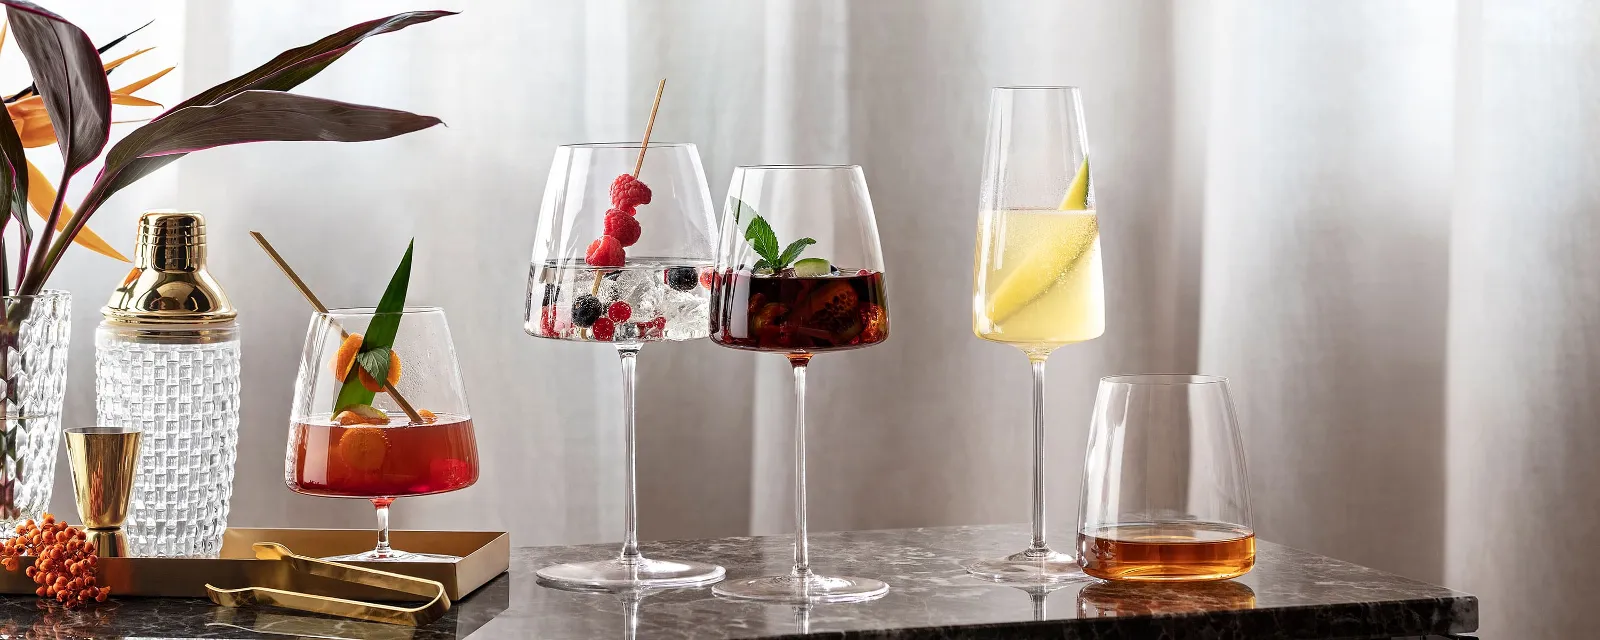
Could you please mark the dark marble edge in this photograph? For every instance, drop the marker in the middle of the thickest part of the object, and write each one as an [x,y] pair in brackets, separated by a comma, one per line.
[1326,623]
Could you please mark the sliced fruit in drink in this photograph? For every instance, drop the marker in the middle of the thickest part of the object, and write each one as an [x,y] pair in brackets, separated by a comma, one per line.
[1064,246]
[1077,197]
[812,268]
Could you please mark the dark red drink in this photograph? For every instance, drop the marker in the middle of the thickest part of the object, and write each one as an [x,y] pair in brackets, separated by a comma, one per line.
[790,313]
[361,461]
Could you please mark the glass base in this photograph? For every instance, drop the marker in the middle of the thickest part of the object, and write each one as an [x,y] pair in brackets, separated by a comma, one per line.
[615,574]
[392,555]
[812,589]
[1029,567]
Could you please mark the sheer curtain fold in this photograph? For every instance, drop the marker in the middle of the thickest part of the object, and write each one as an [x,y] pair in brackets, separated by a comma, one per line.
[1377,218]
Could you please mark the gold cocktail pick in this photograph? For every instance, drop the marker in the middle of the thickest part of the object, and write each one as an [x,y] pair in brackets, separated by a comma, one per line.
[438,603]
[317,304]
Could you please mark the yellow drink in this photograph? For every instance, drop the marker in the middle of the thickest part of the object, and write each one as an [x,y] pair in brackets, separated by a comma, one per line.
[1037,281]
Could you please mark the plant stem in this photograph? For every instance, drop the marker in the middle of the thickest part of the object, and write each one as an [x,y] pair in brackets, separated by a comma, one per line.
[50,224]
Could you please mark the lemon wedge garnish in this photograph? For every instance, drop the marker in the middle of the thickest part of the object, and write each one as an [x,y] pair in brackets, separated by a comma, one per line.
[1055,254]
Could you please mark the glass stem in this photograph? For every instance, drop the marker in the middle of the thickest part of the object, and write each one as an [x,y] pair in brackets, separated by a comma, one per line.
[629,354]
[1039,547]
[802,546]
[382,507]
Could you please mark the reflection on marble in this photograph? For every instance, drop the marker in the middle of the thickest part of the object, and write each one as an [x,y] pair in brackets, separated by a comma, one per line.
[1290,594]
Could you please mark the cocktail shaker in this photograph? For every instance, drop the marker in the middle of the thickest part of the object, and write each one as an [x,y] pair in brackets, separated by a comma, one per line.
[167,364]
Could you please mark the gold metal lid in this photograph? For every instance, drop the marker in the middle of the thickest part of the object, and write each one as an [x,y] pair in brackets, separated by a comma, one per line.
[169,283]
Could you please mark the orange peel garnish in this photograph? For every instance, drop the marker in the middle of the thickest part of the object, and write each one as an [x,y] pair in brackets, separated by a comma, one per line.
[427,416]
[394,374]
[345,357]
[363,448]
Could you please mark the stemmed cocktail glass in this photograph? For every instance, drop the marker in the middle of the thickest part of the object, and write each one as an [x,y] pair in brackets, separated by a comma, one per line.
[799,272]
[622,266]
[1036,276]
[379,452]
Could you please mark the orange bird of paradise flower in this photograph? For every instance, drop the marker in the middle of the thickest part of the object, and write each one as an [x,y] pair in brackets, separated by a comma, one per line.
[33,125]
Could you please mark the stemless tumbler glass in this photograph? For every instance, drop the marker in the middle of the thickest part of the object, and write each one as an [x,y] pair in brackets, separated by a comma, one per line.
[1165,492]
[799,272]
[652,289]
[1036,271]
[350,439]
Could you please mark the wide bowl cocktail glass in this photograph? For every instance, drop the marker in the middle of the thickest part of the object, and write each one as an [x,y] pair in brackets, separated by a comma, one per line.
[799,273]
[656,293]
[387,453]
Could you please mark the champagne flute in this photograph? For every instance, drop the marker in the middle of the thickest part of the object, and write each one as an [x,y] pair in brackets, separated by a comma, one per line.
[1036,274]
[799,272]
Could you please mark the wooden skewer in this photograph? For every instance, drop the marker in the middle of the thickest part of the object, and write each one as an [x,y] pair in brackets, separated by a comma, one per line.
[283,265]
[648,126]
[639,163]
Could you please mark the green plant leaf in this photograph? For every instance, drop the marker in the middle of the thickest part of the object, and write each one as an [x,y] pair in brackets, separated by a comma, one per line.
[380,334]
[282,73]
[67,71]
[793,251]
[375,362]
[762,239]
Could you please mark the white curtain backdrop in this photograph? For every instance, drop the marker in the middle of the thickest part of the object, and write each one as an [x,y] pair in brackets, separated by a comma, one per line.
[1378,218]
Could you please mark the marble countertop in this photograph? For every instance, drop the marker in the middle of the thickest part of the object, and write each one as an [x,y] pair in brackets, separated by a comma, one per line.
[1289,594]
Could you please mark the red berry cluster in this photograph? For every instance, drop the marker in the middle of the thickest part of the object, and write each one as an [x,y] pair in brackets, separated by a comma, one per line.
[622,228]
[65,564]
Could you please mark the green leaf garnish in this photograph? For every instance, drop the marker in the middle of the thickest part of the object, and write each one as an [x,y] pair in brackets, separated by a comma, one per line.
[380,335]
[794,250]
[765,242]
[762,239]
[376,362]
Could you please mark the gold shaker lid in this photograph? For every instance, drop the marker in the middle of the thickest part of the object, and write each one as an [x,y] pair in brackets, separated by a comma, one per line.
[169,283]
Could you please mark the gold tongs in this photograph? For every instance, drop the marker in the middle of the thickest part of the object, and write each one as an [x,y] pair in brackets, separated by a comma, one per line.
[436,606]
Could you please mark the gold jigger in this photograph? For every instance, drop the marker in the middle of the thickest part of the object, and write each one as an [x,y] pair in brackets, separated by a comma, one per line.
[102,478]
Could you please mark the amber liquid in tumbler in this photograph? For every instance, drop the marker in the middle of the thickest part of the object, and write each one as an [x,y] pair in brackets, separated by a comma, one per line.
[1167,551]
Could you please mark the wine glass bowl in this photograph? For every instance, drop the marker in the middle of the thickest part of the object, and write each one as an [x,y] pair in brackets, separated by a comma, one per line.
[799,272]
[658,291]
[369,445]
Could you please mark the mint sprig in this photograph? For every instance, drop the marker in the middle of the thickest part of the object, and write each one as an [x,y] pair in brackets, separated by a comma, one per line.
[765,242]
[378,341]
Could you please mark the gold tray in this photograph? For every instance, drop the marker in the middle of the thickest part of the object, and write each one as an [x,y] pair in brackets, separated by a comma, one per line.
[484,555]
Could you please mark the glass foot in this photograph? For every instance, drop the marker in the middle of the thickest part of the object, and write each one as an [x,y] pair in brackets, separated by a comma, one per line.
[392,555]
[792,589]
[644,572]
[1028,567]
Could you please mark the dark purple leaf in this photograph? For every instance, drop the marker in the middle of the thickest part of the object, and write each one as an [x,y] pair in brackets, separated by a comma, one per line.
[261,116]
[68,72]
[102,49]
[14,180]
[299,64]
[282,73]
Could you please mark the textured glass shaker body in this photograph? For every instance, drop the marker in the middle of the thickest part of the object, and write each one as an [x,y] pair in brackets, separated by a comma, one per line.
[167,363]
